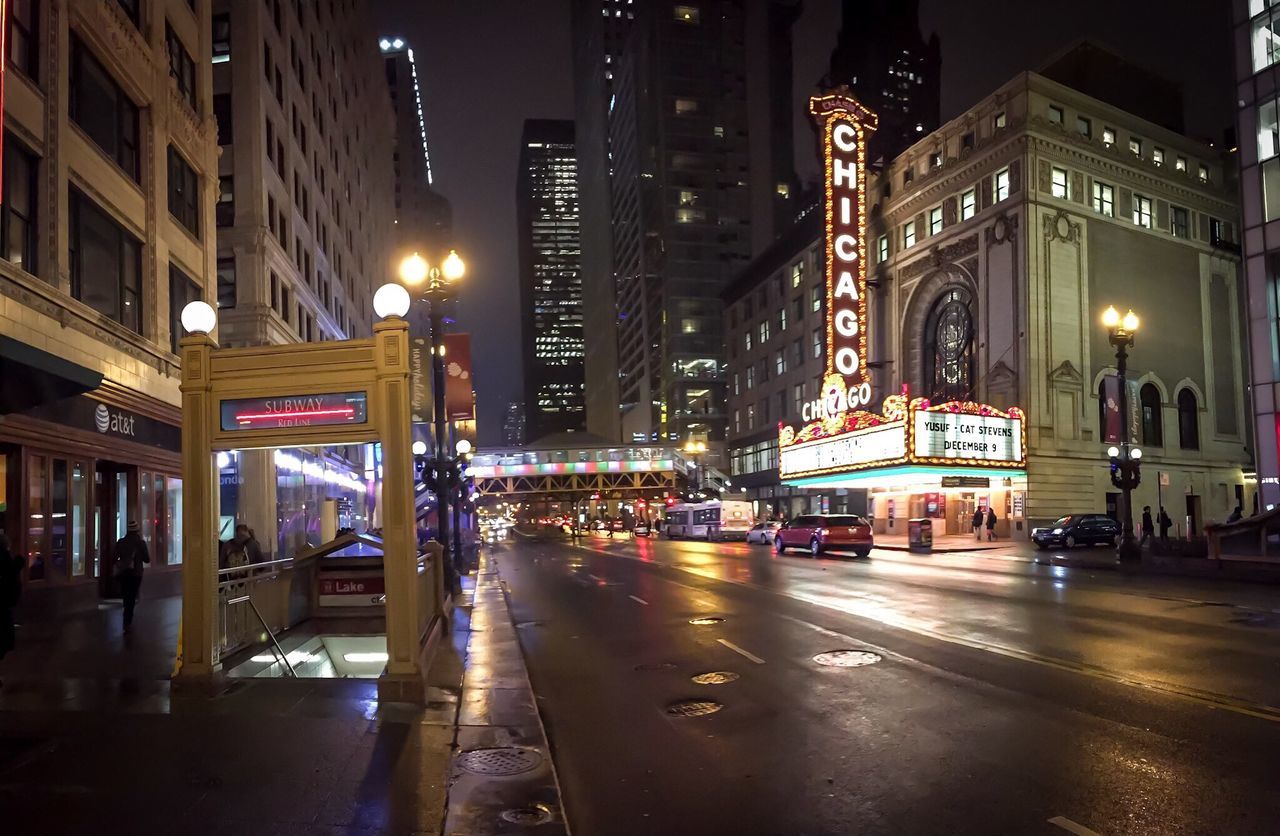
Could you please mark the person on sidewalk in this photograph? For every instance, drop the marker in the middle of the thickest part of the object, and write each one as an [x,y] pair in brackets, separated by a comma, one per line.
[1235,515]
[1165,525]
[131,556]
[991,524]
[10,591]
[977,525]
[1148,526]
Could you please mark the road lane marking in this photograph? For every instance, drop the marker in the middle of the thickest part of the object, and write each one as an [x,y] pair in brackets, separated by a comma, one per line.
[596,578]
[638,600]
[739,650]
[1071,827]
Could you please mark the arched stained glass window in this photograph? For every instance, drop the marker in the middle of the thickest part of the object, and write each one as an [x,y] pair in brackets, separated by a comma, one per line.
[949,348]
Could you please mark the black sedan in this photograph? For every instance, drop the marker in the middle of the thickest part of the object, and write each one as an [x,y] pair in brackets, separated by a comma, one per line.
[1078,530]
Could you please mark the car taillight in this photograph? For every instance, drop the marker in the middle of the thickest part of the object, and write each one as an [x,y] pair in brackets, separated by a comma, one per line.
[822,532]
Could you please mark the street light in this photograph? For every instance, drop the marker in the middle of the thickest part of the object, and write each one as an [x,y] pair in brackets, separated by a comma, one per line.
[199,317]
[695,448]
[433,281]
[1126,472]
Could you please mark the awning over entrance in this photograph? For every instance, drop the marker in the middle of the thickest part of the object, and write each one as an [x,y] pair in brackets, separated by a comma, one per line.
[30,377]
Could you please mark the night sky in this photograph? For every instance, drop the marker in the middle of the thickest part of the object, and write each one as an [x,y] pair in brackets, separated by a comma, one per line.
[487,65]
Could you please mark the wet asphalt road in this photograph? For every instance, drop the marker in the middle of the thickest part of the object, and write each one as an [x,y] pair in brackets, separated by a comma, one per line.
[1010,698]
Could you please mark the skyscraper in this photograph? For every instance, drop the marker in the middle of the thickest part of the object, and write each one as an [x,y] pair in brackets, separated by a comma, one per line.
[423,217]
[550,278]
[513,424]
[883,58]
[674,138]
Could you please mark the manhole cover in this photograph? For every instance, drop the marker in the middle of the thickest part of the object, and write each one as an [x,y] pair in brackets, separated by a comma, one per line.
[847,658]
[715,678]
[531,816]
[706,619]
[693,708]
[656,666]
[504,761]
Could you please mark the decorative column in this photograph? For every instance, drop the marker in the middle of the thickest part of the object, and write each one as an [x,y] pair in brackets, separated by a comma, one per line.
[403,678]
[200,646]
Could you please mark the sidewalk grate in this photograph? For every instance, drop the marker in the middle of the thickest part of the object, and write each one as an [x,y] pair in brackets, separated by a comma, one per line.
[530,816]
[716,678]
[704,620]
[507,760]
[693,708]
[847,658]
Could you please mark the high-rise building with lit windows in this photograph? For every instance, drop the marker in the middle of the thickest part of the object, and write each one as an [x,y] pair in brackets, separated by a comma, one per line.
[1257,45]
[882,57]
[550,278]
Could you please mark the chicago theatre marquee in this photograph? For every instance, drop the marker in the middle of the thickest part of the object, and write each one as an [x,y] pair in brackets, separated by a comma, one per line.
[914,458]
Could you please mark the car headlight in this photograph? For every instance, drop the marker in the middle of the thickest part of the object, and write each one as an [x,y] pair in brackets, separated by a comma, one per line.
[1057,531]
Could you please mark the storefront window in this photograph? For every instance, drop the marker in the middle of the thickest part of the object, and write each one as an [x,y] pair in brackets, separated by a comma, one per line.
[122,504]
[147,521]
[173,520]
[58,521]
[37,506]
[79,516]
[156,511]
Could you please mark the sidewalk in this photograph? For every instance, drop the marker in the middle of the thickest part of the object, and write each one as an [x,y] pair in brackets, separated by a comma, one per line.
[943,543]
[93,739]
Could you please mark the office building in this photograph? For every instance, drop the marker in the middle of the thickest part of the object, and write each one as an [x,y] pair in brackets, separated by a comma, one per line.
[994,245]
[107,215]
[1257,48]
[513,424]
[550,278]
[884,59]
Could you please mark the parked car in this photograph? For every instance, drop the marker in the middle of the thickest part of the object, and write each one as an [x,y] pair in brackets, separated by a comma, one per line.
[641,529]
[617,524]
[763,532]
[1078,530]
[819,532]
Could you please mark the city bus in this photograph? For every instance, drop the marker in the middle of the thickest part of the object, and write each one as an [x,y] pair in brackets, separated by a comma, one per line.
[728,519]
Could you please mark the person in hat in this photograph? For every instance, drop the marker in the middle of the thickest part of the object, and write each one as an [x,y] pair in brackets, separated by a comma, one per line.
[131,556]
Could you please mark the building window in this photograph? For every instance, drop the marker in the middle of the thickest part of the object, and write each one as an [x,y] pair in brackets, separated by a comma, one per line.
[688,14]
[1142,211]
[1203,174]
[1188,420]
[935,220]
[18,211]
[222,115]
[21,49]
[1180,164]
[1002,184]
[686,106]
[935,160]
[106,264]
[780,362]
[1058,183]
[1135,146]
[968,204]
[130,8]
[182,292]
[797,273]
[882,249]
[764,331]
[908,234]
[227,282]
[226,208]
[782,317]
[797,398]
[815,298]
[999,121]
[747,338]
[1056,116]
[817,343]
[949,353]
[1152,421]
[1179,222]
[1265,34]
[751,376]
[184,193]
[1157,156]
[1085,127]
[737,421]
[1104,199]
[1108,137]
[967,141]
[102,109]
[221,38]
[181,68]
[751,416]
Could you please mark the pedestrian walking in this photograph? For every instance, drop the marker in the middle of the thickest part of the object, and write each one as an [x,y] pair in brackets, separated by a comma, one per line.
[10,591]
[1165,525]
[131,556]
[991,524]
[1148,526]
[977,524]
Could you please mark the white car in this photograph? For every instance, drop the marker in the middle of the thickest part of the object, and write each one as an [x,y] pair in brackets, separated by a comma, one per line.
[763,532]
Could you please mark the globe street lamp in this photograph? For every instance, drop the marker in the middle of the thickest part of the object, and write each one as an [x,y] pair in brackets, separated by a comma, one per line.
[1126,472]
[433,282]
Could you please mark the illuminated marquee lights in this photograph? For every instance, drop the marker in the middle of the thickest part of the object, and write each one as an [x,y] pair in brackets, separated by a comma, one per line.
[845,126]
[562,468]
[840,442]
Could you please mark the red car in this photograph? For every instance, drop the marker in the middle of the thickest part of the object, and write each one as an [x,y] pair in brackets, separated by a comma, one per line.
[819,532]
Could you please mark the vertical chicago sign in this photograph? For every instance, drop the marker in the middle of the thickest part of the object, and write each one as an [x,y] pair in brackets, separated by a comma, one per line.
[844,126]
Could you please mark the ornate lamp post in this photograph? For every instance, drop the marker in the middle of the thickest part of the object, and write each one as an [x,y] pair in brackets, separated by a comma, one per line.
[696,448]
[1126,471]
[435,284]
